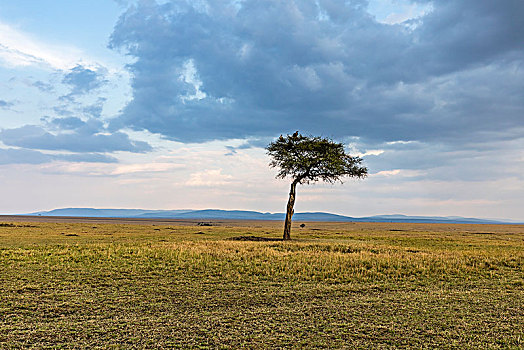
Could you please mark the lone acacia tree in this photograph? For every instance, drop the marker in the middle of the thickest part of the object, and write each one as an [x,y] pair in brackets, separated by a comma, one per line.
[309,159]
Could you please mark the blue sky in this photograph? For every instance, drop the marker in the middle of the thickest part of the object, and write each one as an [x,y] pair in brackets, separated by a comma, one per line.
[168,104]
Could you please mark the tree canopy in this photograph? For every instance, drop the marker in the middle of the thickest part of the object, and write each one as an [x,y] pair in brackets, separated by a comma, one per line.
[309,159]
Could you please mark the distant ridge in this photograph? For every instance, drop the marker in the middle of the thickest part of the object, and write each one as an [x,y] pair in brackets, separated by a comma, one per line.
[255,215]
[103,213]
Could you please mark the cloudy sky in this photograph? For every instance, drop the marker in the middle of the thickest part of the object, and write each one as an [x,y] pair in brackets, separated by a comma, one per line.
[168,104]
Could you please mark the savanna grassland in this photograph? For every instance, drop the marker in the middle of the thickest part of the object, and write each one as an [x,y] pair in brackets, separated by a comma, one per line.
[335,285]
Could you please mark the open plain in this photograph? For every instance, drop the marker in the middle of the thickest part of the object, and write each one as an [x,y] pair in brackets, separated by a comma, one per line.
[109,283]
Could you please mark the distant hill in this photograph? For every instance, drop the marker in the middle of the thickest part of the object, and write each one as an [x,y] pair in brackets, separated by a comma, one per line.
[255,215]
[103,213]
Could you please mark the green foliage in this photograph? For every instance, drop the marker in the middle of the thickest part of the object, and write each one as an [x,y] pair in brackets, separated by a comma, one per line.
[309,159]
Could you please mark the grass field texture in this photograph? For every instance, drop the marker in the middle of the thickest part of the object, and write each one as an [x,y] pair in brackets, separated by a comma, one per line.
[335,285]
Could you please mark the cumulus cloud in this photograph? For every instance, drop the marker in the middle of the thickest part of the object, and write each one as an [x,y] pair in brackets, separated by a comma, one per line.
[86,158]
[22,156]
[209,178]
[6,104]
[75,129]
[19,49]
[259,69]
[146,168]
[25,156]
[67,123]
[83,80]
[71,134]
[95,110]
[43,86]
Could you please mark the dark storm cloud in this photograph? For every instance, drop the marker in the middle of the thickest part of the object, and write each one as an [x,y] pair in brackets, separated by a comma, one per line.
[223,70]
[71,134]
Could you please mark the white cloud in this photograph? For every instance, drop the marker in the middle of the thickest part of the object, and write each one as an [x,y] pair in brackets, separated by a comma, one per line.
[100,169]
[209,178]
[190,75]
[21,49]
[397,11]
[388,172]
[399,173]
[410,12]
[82,169]
[147,168]
[371,152]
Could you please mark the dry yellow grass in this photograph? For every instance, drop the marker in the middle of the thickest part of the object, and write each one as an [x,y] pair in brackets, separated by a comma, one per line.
[176,284]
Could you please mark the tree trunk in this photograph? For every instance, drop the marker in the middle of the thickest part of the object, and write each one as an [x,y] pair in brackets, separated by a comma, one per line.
[290,211]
